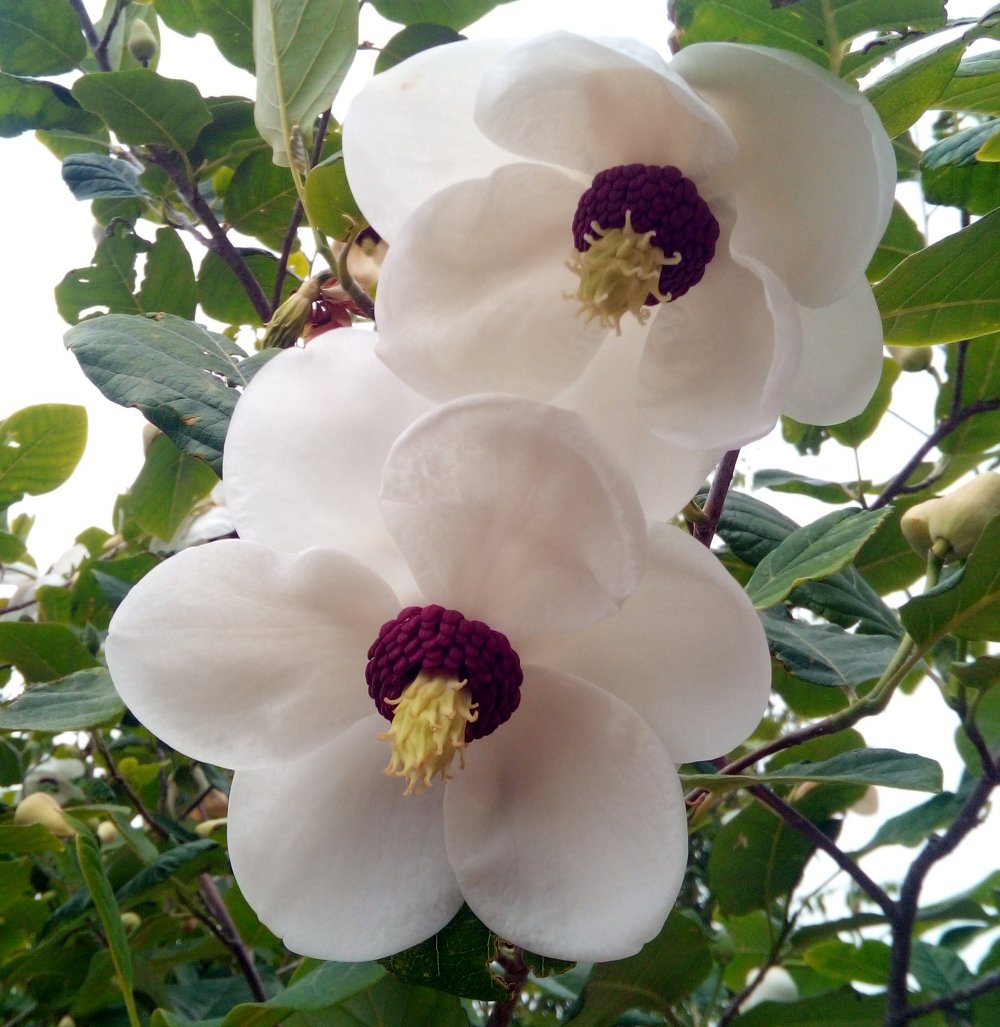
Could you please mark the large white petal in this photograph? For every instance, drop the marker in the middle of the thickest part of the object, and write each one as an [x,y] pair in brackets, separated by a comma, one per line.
[665,475]
[687,651]
[304,453]
[720,359]
[240,656]
[474,291]
[816,172]
[514,513]
[334,858]
[572,101]
[841,359]
[566,829]
[410,131]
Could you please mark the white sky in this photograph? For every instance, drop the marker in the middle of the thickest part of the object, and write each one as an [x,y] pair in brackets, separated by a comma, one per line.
[47,233]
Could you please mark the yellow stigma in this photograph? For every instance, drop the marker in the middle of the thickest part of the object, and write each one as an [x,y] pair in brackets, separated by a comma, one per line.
[428,728]
[619,270]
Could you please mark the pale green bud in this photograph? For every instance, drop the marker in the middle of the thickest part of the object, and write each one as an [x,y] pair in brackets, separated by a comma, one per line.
[142,44]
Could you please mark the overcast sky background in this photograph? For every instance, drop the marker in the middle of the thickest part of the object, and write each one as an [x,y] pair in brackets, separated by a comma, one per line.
[47,233]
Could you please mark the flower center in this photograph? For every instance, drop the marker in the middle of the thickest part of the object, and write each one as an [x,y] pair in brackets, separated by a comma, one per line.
[443,681]
[643,235]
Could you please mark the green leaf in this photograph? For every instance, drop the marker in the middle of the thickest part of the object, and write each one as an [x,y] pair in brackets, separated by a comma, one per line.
[980,381]
[178,864]
[456,960]
[812,552]
[108,283]
[175,372]
[143,108]
[938,970]
[96,878]
[987,719]
[230,24]
[42,652]
[31,838]
[867,767]
[844,1008]
[952,173]
[39,37]
[903,95]
[824,654]
[26,105]
[455,14]
[946,292]
[970,607]
[76,702]
[975,86]
[916,825]
[854,431]
[332,208]
[11,547]
[390,1003]
[168,285]
[92,176]
[867,962]
[302,50]
[168,486]
[329,984]
[40,447]
[260,199]
[799,484]
[887,561]
[672,965]
[413,39]
[901,238]
[222,297]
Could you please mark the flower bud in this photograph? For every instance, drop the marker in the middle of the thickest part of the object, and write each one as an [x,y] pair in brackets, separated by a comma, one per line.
[130,920]
[290,319]
[957,518]
[142,44]
[42,808]
[912,358]
[107,832]
[208,827]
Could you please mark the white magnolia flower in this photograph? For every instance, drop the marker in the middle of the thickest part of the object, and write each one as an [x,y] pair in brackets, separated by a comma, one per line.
[520,186]
[491,567]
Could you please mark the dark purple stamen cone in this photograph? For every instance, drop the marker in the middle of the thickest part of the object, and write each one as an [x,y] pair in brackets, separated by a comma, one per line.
[660,200]
[439,641]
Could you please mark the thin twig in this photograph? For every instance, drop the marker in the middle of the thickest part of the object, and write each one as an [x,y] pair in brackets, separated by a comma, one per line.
[955,998]
[230,936]
[90,34]
[704,529]
[127,788]
[101,53]
[516,974]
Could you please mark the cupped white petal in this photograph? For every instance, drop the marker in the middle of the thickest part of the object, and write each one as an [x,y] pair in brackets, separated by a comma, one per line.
[665,475]
[243,657]
[841,359]
[514,513]
[334,858]
[573,101]
[719,360]
[687,651]
[816,172]
[410,131]
[474,292]
[304,453]
[566,830]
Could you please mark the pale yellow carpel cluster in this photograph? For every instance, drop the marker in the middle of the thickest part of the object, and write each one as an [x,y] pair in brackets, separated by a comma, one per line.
[955,520]
[619,270]
[428,729]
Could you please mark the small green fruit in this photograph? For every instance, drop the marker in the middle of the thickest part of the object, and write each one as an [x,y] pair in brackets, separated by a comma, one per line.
[142,44]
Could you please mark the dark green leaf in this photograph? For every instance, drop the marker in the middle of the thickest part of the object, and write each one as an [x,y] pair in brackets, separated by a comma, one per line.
[938,970]
[143,108]
[867,962]
[415,38]
[302,50]
[982,673]
[887,561]
[854,431]
[180,864]
[175,372]
[456,960]
[824,654]
[40,447]
[915,826]
[108,283]
[96,878]
[180,15]
[845,1008]
[168,486]
[95,175]
[455,14]
[801,485]
[11,547]
[975,86]
[39,37]
[231,135]
[670,966]
[331,204]
[26,104]
[230,24]
[42,652]
[903,95]
[390,1003]
[815,551]
[970,607]
[946,292]
[168,285]
[952,175]
[222,297]
[76,702]
[31,838]
[980,382]
[901,238]
[260,199]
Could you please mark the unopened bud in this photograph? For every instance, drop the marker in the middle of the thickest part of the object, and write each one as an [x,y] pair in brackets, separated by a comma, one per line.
[130,920]
[107,832]
[290,319]
[209,827]
[142,44]
[912,358]
[42,808]
[958,518]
